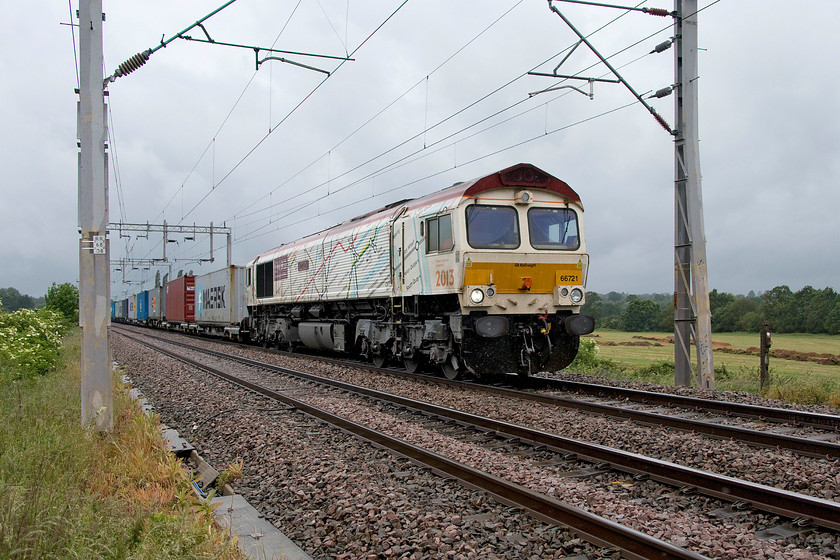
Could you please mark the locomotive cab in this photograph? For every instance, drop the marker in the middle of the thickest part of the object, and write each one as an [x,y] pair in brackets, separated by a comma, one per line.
[513,254]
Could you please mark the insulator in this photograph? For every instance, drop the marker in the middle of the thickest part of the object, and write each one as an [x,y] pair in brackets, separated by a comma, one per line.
[658,12]
[662,47]
[664,92]
[132,64]
[661,121]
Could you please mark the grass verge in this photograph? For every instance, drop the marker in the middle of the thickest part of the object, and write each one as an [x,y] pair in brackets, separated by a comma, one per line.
[650,357]
[70,492]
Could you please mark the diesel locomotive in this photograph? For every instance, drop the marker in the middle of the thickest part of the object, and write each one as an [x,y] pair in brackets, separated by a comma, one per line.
[486,276]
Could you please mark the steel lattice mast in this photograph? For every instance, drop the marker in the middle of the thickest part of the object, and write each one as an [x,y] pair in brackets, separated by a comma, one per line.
[692,316]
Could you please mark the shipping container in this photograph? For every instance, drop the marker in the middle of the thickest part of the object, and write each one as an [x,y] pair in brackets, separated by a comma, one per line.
[132,308]
[121,310]
[143,307]
[220,301]
[156,306]
[180,302]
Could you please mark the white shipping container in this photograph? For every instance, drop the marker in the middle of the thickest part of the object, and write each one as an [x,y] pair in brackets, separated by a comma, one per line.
[220,298]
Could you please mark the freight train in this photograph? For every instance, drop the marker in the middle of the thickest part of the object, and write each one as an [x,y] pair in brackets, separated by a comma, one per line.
[486,276]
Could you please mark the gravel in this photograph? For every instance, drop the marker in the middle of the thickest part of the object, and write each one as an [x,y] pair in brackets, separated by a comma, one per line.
[341,498]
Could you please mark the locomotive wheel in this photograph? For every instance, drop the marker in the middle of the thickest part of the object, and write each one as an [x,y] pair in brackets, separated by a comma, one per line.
[411,365]
[450,370]
[379,360]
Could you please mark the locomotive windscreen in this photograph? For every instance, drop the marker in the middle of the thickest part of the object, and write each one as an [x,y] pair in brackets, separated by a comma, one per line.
[553,228]
[492,227]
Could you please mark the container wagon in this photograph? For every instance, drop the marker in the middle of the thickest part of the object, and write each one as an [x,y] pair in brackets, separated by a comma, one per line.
[180,304]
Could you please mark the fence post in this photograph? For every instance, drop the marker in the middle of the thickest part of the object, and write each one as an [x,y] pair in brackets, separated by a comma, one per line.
[765,355]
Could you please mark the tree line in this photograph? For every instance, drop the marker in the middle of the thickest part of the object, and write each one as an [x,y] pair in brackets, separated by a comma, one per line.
[62,298]
[808,310]
[12,300]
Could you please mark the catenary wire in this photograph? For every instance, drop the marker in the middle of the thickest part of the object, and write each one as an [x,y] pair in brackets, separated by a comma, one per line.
[293,110]
[251,236]
[484,119]
[423,132]
[381,111]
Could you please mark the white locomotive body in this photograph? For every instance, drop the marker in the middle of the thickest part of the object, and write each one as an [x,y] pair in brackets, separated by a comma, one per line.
[486,276]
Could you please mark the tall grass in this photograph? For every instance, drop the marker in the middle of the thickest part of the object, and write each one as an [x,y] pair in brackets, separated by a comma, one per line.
[69,492]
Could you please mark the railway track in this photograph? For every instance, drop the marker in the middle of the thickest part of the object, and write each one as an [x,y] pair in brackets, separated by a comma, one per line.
[713,418]
[593,528]
[827,422]
[821,512]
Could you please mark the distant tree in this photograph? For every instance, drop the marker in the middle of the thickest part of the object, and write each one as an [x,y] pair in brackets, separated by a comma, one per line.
[665,322]
[640,315]
[65,300]
[832,320]
[611,312]
[742,315]
[157,279]
[165,280]
[718,302]
[180,273]
[14,300]
[776,306]
[812,307]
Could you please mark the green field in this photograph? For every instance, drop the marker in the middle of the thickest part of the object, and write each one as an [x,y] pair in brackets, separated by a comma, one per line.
[805,382]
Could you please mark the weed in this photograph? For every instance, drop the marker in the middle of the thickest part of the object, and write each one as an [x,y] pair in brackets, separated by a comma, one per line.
[232,473]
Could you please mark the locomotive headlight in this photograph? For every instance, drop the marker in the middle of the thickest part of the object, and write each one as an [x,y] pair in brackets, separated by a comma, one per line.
[577,295]
[477,296]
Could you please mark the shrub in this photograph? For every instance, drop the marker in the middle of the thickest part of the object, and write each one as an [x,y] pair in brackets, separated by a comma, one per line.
[64,299]
[587,360]
[587,356]
[661,372]
[30,341]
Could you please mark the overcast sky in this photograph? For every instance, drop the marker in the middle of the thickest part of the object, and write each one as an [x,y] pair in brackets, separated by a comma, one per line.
[437,94]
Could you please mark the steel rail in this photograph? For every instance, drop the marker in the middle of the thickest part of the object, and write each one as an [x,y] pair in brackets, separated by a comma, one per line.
[592,528]
[804,446]
[801,445]
[820,512]
[817,420]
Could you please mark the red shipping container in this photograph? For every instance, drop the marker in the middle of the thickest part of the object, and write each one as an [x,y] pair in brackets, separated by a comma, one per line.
[180,300]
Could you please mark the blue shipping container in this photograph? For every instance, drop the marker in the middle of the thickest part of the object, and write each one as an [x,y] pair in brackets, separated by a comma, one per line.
[143,306]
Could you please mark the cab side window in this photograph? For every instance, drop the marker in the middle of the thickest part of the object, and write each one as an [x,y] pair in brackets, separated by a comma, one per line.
[439,234]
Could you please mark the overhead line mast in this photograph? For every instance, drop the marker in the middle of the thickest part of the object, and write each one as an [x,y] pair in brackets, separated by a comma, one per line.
[692,314]
[94,251]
